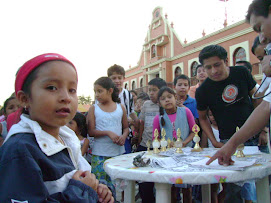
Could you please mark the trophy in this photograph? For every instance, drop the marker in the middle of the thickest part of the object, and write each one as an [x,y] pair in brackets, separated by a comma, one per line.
[163,141]
[196,139]
[168,143]
[155,142]
[240,148]
[148,146]
[179,142]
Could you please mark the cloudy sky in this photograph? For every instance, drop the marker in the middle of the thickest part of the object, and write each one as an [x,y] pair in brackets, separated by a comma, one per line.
[97,34]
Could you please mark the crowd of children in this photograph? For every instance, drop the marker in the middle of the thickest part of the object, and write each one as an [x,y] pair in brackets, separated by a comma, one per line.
[47,149]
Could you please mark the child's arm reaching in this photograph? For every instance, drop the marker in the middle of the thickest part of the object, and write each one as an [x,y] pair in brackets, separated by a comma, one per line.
[85,146]
[125,128]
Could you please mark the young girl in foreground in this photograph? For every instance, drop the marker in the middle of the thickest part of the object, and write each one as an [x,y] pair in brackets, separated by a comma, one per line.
[171,118]
[41,159]
[79,125]
[108,124]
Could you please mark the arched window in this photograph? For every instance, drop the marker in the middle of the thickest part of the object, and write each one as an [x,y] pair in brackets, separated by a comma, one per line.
[178,71]
[133,85]
[125,86]
[239,55]
[193,69]
[153,51]
[141,82]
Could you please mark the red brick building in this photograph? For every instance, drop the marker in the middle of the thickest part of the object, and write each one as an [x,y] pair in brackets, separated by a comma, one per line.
[165,55]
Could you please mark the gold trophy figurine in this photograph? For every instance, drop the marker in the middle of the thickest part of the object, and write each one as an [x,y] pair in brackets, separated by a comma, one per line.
[148,146]
[156,143]
[240,148]
[196,139]
[179,142]
[163,141]
[168,143]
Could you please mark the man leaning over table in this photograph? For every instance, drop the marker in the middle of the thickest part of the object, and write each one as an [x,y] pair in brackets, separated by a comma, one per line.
[226,92]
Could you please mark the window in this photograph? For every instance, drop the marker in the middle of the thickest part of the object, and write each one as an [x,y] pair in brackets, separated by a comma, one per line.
[239,55]
[178,71]
[153,51]
[133,85]
[125,86]
[193,69]
[141,82]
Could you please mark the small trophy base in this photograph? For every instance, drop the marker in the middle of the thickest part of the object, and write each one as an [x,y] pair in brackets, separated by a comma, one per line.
[156,150]
[163,149]
[179,151]
[196,149]
[240,154]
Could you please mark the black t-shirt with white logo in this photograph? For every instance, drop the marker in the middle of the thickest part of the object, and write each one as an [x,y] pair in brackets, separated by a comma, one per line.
[228,100]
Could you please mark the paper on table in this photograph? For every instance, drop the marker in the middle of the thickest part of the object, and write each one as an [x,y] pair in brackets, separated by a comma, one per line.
[238,165]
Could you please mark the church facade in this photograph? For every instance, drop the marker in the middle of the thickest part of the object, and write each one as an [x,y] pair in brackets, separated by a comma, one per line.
[164,55]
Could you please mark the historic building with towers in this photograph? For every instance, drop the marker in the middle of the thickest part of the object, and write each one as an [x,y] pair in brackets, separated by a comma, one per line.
[165,55]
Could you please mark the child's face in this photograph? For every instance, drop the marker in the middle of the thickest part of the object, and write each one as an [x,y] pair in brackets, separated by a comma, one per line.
[118,79]
[167,101]
[53,99]
[153,93]
[182,87]
[12,106]
[101,94]
[201,74]
[73,126]
[211,117]
[138,105]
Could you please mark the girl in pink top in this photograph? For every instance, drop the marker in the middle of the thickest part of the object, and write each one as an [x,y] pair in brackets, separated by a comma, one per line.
[172,117]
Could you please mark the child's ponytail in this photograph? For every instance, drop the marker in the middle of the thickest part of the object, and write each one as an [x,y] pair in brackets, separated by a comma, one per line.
[161,111]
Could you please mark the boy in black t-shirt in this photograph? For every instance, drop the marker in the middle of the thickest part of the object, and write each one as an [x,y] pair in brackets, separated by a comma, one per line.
[226,93]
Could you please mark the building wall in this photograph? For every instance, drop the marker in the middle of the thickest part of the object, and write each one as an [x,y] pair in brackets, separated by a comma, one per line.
[171,51]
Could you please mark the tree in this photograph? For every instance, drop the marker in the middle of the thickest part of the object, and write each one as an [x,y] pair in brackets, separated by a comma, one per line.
[84,100]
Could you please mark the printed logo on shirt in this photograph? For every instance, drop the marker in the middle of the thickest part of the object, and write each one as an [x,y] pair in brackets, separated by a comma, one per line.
[230,93]
[17,201]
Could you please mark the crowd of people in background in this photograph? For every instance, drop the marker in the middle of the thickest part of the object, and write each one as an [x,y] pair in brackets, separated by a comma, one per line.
[56,153]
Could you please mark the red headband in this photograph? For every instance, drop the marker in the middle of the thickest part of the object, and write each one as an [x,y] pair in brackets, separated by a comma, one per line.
[32,64]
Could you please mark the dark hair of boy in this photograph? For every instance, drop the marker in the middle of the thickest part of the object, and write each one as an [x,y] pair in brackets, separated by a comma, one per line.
[211,51]
[246,64]
[255,44]
[158,82]
[115,69]
[161,109]
[258,8]
[144,96]
[184,77]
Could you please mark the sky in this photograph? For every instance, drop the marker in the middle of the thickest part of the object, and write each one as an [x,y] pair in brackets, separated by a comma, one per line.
[97,34]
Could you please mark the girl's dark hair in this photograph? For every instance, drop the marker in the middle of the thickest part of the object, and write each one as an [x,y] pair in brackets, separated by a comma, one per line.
[161,109]
[81,122]
[6,104]
[256,43]
[107,83]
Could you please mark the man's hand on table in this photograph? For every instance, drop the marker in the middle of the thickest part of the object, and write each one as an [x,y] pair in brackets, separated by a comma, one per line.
[223,155]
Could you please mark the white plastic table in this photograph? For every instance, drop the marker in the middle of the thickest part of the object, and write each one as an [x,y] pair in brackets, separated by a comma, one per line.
[121,167]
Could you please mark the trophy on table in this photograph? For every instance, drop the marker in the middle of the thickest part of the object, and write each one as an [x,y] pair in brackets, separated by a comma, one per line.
[148,146]
[168,143]
[163,141]
[179,142]
[196,139]
[240,148]
[156,143]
